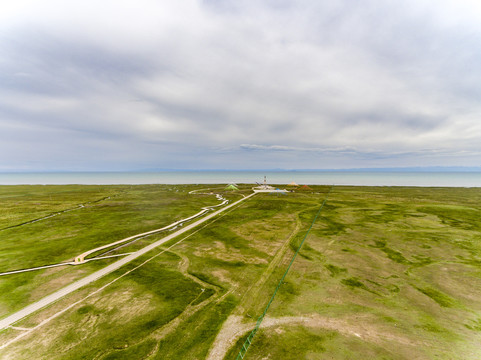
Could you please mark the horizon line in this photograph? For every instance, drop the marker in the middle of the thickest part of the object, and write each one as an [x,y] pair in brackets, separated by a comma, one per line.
[366,169]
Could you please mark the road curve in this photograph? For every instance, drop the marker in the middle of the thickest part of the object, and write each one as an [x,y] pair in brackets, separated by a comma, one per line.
[80,259]
[30,309]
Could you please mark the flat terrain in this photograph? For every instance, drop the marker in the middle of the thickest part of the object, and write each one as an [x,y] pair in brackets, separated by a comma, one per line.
[385,273]
[74,219]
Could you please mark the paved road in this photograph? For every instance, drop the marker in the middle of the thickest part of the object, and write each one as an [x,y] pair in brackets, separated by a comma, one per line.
[80,259]
[12,319]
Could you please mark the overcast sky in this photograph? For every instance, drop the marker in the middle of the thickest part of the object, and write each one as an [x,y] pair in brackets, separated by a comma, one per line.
[224,84]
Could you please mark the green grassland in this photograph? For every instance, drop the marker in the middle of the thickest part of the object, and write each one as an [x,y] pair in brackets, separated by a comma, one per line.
[108,214]
[385,273]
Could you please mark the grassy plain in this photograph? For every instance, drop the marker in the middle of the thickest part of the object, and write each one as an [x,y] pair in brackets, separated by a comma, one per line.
[84,217]
[385,273]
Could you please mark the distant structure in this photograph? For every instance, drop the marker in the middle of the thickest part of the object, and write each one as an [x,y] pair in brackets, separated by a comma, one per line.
[231,187]
[266,188]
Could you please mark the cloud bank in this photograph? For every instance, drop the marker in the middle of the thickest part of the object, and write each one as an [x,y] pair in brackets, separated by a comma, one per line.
[239,84]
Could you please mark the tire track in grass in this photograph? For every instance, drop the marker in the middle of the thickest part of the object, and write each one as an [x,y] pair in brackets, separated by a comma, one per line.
[249,339]
[252,294]
[233,328]
[51,215]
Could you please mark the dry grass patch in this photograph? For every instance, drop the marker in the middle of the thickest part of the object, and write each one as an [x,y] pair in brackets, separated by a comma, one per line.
[267,236]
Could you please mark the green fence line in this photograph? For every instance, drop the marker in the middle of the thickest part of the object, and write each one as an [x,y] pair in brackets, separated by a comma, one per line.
[248,341]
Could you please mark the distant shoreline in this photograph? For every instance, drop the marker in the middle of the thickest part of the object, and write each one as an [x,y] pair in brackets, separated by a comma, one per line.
[324,177]
[429,169]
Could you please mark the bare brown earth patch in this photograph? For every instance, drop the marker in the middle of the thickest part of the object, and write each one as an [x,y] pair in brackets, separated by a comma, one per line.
[52,271]
[124,304]
[232,255]
[58,281]
[223,276]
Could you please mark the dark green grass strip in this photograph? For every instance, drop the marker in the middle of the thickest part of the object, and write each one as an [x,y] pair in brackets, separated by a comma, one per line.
[249,339]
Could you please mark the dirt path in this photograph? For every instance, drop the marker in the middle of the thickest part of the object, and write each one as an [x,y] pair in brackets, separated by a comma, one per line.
[251,296]
[233,328]
[361,326]
[190,310]
[184,267]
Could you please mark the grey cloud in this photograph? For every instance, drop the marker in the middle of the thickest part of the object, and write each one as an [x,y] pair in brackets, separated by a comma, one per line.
[338,82]
[43,63]
[360,155]
[293,148]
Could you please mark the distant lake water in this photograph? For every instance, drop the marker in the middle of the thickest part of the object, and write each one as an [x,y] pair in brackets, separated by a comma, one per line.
[367,178]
